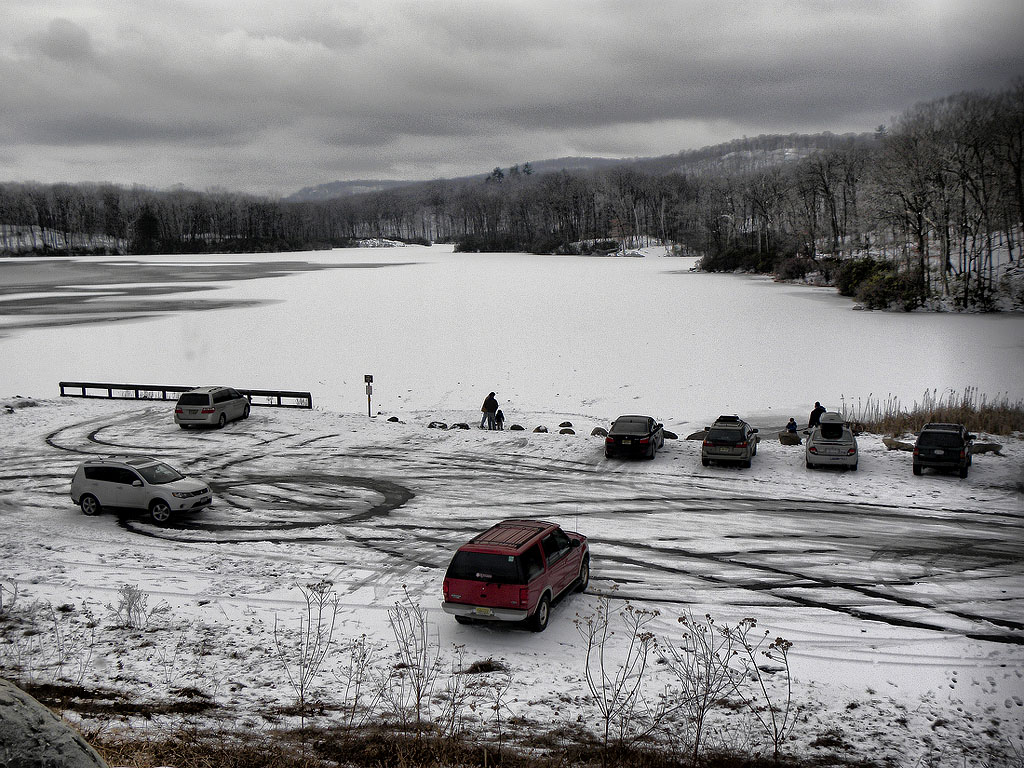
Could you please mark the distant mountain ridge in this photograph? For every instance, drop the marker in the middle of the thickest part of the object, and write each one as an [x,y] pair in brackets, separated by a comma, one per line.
[746,154]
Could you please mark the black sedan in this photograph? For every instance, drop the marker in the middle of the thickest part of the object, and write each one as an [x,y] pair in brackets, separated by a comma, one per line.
[634,436]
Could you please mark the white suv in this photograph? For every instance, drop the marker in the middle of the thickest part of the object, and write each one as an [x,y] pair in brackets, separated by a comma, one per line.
[137,483]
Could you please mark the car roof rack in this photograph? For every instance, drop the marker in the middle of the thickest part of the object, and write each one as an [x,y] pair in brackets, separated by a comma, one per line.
[728,418]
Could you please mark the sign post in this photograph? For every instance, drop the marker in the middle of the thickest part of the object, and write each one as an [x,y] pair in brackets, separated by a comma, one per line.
[368,378]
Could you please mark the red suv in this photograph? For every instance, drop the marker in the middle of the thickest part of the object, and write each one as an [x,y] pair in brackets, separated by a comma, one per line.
[514,571]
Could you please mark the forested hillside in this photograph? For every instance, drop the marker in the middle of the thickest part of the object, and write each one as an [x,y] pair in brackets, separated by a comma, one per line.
[930,206]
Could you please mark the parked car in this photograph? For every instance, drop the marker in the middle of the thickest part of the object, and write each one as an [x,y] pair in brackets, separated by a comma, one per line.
[832,444]
[634,436]
[138,483]
[514,571]
[945,447]
[210,406]
[729,439]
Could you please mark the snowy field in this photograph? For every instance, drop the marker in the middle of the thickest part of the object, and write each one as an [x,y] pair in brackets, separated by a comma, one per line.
[903,596]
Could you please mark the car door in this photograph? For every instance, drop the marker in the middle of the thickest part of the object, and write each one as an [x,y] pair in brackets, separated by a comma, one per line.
[557,550]
[131,489]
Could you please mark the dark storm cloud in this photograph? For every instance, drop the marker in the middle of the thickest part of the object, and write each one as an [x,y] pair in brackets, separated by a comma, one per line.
[267,95]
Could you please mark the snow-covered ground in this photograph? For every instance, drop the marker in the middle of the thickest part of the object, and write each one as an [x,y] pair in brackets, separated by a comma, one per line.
[903,596]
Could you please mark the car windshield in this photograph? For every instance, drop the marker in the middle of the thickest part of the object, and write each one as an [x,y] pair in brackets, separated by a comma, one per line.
[193,398]
[159,473]
[483,566]
[940,440]
[629,427]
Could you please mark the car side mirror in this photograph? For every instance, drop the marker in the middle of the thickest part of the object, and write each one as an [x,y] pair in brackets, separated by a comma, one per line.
[573,543]
[972,437]
[755,431]
[136,483]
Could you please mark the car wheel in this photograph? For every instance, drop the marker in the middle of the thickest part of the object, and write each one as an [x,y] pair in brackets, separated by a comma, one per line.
[222,421]
[539,620]
[160,511]
[653,450]
[183,426]
[963,472]
[584,579]
[746,464]
[245,413]
[917,470]
[90,505]
[704,462]
[853,468]
[809,465]
[463,620]
[607,455]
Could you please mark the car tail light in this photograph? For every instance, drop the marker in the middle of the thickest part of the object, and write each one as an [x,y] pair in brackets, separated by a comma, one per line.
[207,410]
[444,587]
[742,445]
[524,596]
[917,451]
[644,440]
[708,444]
[812,449]
[851,451]
[178,410]
[609,439]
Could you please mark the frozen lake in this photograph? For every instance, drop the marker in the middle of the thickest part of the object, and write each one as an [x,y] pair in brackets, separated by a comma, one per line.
[438,330]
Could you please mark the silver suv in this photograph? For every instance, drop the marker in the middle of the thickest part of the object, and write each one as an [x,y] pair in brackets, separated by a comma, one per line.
[137,483]
[210,407]
[730,438]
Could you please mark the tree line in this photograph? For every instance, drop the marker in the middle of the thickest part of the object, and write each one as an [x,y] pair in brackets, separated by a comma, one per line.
[929,206]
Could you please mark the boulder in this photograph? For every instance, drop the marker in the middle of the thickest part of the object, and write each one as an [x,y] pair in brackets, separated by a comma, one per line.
[789,438]
[697,435]
[567,431]
[565,424]
[670,435]
[517,428]
[31,736]
[995,448]
[540,429]
[897,445]
[394,419]
[437,425]
[599,432]
[460,425]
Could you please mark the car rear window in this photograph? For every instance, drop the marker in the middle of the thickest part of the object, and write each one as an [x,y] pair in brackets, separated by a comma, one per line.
[832,431]
[725,435]
[940,440]
[481,566]
[629,427]
[194,398]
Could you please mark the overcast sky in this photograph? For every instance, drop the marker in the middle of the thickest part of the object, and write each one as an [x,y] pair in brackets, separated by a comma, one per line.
[268,96]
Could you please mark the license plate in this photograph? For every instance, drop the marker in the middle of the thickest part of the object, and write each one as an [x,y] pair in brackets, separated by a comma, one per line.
[193,411]
[939,451]
[724,450]
[833,451]
[482,611]
[627,442]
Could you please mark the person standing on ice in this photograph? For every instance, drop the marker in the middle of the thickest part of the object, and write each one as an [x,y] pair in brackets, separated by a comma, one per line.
[499,419]
[815,417]
[489,408]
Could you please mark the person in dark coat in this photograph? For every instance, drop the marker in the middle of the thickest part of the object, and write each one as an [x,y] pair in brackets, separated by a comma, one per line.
[815,418]
[490,407]
[499,419]
[791,427]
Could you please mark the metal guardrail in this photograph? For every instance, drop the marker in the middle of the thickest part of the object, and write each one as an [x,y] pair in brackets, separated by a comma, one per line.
[275,398]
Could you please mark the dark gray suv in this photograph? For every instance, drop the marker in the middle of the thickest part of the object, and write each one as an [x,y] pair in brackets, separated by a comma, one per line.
[210,407]
[945,447]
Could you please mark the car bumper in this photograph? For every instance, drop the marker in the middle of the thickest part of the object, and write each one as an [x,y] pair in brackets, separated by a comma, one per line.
[484,613]
[207,419]
[713,456]
[635,449]
[191,505]
[820,460]
[949,466]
